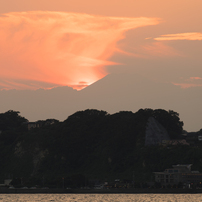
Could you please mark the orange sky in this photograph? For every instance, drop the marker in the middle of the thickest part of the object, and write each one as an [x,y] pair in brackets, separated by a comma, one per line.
[49,43]
[41,49]
[73,46]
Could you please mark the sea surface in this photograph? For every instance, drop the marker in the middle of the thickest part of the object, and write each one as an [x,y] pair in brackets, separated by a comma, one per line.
[100,197]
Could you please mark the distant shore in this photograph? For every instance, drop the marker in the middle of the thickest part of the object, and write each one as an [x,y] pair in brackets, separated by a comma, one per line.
[98,191]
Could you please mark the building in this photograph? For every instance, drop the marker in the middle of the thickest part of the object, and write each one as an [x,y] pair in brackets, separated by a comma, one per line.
[38,124]
[178,174]
[31,125]
[194,138]
[174,142]
[6,183]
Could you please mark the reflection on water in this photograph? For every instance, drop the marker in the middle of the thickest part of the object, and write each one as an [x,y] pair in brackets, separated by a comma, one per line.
[101,197]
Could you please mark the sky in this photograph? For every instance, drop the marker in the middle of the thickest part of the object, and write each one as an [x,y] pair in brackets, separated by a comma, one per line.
[78,54]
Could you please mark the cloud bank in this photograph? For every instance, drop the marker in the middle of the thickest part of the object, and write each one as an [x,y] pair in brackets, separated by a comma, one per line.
[41,49]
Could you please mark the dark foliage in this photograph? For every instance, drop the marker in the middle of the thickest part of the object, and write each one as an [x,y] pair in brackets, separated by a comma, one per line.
[89,144]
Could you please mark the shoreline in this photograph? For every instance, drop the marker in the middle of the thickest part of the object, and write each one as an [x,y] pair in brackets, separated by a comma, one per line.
[99,191]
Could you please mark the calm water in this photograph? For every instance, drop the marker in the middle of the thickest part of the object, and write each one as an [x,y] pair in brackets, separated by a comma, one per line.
[100,197]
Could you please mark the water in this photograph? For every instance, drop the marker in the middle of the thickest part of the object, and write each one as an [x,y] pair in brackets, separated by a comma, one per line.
[100,197]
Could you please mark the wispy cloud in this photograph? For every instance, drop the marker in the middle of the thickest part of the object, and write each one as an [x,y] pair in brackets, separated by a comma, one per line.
[190,82]
[160,49]
[48,49]
[187,85]
[195,78]
[181,36]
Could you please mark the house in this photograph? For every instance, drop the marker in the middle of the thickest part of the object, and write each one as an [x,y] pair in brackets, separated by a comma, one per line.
[6,183]
[40,123]
[194,138]
[178,142]
[174,142]
[178,174]
[31,125]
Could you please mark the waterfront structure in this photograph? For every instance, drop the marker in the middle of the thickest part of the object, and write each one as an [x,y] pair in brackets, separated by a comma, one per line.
[178,174]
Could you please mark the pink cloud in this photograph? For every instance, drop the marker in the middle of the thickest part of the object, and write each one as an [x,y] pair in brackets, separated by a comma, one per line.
[41,49]
[181,36]
[195,78]
[190,82]
[187,85]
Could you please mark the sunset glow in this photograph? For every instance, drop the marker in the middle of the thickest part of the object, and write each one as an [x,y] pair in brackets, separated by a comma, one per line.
[41,49]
